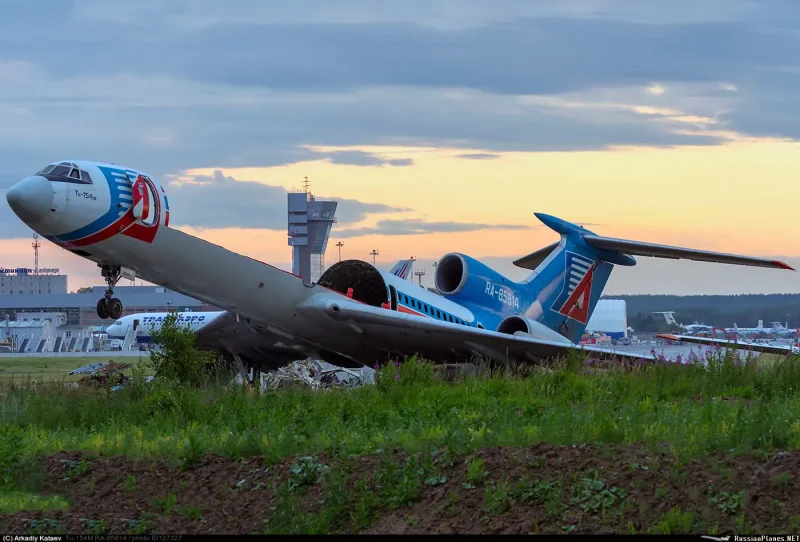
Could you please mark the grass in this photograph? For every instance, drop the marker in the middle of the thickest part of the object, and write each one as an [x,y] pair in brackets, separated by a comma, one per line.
[52,368]
[17,501]
[742,408]
[691,410]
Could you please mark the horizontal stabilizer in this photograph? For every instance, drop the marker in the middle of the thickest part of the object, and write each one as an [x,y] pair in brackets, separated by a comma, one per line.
[638,248]
[532,260]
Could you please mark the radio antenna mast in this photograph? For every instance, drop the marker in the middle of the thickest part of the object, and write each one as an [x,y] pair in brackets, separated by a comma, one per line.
[35,246]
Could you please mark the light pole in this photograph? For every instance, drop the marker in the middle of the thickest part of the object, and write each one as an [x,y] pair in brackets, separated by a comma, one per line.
[340,245]
[373,254]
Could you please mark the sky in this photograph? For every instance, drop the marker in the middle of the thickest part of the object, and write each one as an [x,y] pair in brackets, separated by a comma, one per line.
[439,125]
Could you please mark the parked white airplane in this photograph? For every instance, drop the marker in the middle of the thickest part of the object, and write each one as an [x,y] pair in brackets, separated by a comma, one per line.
[144,323]
[776,328]
[356,314]
[742,345]
[691,328]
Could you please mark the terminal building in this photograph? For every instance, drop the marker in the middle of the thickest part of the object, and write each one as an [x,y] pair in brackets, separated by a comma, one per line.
[23,281]
[65,322]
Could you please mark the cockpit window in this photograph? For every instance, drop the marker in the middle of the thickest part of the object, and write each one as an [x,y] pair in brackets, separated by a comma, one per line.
[118,323]
[66,172]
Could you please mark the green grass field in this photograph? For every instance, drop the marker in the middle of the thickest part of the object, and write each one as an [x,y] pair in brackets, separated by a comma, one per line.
[413,444]
[52,368]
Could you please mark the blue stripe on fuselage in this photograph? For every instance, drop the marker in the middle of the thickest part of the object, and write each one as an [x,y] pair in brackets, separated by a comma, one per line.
[116,190]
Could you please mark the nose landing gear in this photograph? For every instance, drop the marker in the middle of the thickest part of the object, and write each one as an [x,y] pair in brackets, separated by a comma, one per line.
[109,306]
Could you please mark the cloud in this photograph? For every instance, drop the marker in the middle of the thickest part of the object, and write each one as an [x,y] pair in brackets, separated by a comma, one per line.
[420,227]
[266,80]
[360,158]
[218,201]
[479,156]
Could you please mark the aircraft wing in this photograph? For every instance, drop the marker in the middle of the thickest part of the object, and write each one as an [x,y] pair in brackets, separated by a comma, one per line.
[408,334]
[755,347]
[355,325]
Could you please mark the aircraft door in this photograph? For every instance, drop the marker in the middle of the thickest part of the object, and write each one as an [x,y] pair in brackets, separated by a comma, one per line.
[145,201]
[393,300]
[135,324]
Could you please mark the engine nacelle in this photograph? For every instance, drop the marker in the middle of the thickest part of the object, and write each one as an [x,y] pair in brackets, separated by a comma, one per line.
[458,274]
[514,324]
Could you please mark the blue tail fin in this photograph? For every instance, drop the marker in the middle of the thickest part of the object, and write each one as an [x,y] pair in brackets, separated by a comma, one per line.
[568,285]
[568,278]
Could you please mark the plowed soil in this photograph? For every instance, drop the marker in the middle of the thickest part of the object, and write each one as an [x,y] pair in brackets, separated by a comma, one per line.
[541,489]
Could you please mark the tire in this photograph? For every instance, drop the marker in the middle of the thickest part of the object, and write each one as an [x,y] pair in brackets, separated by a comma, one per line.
[114,308]
[102,308]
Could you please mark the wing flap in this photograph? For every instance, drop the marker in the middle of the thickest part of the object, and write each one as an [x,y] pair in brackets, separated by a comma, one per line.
[639,248]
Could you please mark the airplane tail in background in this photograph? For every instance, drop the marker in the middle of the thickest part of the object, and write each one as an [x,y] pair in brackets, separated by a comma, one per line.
[402,268]
[569,276]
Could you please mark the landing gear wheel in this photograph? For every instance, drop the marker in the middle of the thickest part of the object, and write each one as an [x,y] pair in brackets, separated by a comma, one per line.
[102,308]
[109,306]
[114,308]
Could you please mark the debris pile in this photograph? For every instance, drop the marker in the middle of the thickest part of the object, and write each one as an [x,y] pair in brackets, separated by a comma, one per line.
[315,374]
[101,374]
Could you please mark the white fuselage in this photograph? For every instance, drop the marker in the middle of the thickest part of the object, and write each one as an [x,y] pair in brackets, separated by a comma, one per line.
[145,323]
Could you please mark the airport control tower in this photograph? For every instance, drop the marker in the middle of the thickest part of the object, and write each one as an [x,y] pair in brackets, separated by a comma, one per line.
[310,223]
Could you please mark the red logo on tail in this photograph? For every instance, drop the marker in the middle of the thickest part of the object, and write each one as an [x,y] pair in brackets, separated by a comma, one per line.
[577,305]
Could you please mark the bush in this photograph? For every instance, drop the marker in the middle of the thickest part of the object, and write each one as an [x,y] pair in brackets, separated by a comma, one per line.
[178,358]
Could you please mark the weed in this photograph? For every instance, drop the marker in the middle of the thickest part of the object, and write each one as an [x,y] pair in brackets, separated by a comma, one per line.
[476,472]
[130,483]
[729,503]
[305,471]
[782,480]
[674,522]
[498,498]
[165,504]
[593,495]
[191,512]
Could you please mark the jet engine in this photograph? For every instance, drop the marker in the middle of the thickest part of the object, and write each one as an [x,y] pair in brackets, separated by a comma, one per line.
[514,324]
[459,274]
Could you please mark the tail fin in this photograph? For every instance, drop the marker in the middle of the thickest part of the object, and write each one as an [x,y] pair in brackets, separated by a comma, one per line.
[569,277]
[402,268]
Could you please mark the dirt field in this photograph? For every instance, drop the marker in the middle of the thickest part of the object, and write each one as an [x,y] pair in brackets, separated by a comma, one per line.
[540,489]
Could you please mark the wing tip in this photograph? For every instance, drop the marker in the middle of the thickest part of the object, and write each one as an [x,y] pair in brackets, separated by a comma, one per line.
[782,265]
[667,336]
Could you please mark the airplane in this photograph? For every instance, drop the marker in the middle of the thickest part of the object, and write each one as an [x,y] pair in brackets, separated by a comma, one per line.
[356,314]
[766,348]
[690,329]
[776,328]
[144,323]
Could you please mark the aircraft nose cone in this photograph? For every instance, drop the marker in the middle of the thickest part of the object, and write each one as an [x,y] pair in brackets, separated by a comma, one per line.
[31,198]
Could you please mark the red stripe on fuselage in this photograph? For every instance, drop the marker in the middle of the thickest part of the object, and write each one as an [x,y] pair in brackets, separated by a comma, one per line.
[115,228]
